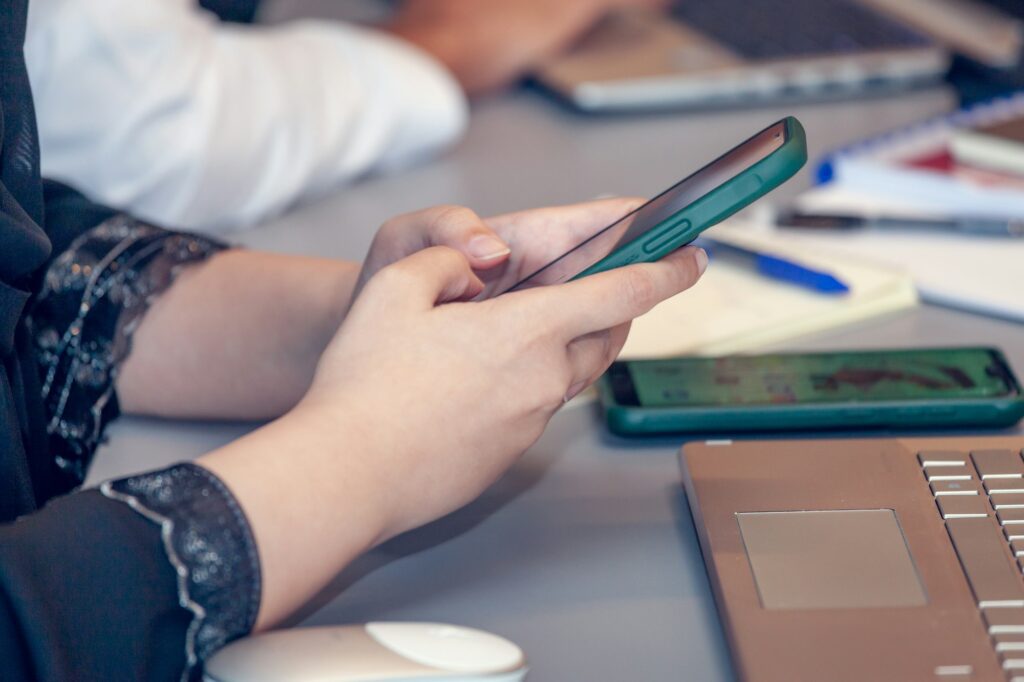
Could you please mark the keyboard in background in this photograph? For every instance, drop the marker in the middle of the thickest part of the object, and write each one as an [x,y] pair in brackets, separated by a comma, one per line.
[776,29]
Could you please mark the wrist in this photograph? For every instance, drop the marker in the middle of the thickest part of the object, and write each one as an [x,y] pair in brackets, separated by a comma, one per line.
[311,500]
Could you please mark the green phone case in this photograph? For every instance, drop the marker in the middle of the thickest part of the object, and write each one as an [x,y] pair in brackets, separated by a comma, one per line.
[629,420]
[725,200]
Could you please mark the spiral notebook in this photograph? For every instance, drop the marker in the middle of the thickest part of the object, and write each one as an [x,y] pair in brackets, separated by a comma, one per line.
[914,164]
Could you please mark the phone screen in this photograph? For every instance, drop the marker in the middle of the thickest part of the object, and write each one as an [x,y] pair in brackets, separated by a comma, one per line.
[867,376]
[659,209]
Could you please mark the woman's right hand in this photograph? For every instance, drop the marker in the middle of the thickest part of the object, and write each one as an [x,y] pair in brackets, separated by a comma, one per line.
[420,401]
[447,396]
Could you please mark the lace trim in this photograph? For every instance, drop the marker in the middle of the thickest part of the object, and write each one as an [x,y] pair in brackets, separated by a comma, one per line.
[94,296]
[209,544]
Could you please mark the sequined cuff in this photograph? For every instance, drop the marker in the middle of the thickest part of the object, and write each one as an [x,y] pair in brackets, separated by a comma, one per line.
[210,545]
[93,297]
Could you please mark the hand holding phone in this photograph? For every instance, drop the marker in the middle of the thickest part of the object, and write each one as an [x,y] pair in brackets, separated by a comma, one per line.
[678,215]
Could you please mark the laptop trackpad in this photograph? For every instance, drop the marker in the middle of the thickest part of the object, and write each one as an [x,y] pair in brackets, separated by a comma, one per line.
[830,559]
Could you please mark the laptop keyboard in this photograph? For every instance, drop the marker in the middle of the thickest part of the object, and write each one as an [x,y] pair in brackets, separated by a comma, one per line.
[980,496]
[776,29]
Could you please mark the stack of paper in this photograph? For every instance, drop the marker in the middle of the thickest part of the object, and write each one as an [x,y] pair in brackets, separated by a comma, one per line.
[981,274]
[733,309]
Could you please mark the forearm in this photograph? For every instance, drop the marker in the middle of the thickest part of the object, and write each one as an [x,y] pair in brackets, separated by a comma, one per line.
[316,497]
[236,337]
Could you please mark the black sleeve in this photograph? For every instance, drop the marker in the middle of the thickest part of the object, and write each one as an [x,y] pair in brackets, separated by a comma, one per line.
[141,580]
[87,593]
[95,292]
[146,577]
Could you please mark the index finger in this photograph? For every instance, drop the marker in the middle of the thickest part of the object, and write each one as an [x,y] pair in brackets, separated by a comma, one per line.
[611,298]
[572,224]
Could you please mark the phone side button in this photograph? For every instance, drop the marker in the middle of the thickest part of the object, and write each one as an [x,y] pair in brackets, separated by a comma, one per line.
[662,238]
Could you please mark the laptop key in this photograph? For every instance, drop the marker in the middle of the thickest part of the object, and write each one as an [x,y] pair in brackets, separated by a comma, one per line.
[941,459]
[954,488]
[998,464]
[1006,621]
[1004,486]
[1011,517]
[1008,501]
[1017,547]
[936,476]
[962,506]
[1013,533]
[1009,643]
[993,579]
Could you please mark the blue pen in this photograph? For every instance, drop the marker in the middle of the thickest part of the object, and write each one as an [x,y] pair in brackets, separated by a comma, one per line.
[775,267]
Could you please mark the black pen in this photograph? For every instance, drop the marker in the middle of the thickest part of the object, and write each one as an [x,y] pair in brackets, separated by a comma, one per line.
[971,225]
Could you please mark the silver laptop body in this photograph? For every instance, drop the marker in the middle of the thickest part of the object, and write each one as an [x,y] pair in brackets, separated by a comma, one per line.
[882,560]
[643,60]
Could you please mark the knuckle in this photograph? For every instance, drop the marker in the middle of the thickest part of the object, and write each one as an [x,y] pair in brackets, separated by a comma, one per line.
[447,218]
[394,276]
[641,291]
[554,389]
[447,256]
[391,225]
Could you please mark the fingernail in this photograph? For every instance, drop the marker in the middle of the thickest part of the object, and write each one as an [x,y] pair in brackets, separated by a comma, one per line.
[702,260]
[486,247]
[574,391]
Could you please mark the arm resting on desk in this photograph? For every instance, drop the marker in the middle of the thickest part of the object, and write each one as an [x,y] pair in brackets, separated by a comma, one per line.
[237,337]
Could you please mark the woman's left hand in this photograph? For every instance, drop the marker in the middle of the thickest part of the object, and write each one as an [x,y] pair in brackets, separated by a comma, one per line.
[503,249]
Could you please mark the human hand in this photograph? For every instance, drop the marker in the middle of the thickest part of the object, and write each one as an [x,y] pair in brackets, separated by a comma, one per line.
[502,250]
[488,45]
[433,402]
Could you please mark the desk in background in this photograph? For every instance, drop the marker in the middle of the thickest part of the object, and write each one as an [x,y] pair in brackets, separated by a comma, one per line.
[585,553]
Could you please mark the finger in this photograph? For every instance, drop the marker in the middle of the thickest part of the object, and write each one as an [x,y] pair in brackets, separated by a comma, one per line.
[426,278]
[619,334]
[592,354]
[456,227]
[572,223]
[610,298]
[587,355]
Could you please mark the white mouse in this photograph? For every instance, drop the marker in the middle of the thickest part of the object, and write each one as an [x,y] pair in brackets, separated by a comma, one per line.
[375,652]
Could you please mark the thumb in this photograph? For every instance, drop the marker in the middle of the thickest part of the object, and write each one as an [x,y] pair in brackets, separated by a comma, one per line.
[454,226]
[426,278]
[463,230]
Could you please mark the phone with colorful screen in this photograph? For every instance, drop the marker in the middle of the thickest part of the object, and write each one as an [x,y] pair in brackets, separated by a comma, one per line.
[916,388]
[678,215]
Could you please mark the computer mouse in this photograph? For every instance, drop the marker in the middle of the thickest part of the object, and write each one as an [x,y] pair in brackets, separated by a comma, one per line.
[374,652]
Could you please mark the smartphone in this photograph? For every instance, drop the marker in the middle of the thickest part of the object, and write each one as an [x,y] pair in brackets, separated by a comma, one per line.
[675,217]
[903,389]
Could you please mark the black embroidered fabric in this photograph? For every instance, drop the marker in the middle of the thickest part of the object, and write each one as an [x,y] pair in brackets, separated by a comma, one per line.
[209,543]
[93,297]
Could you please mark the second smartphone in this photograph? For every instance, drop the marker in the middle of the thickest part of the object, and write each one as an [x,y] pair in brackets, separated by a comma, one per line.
[900,389]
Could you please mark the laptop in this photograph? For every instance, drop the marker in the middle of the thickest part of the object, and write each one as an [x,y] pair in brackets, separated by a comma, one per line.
[721,52]
[865,560]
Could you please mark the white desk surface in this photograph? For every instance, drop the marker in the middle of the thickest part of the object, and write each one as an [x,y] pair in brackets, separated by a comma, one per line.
[585,553]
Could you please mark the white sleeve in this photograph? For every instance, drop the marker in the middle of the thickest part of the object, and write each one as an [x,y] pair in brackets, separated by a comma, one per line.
[156,107]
